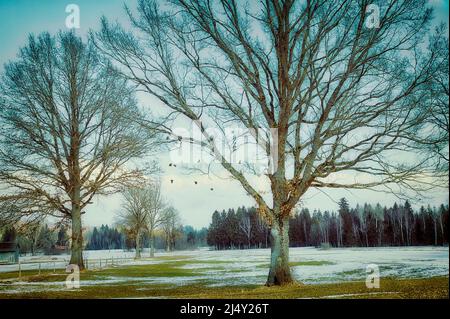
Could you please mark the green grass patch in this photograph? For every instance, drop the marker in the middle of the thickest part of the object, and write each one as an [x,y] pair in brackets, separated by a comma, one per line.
[175,257]
[132,282]
[436,287]
[27,273]
[167,269]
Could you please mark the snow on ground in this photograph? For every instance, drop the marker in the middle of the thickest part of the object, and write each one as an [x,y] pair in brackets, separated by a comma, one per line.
[239,267]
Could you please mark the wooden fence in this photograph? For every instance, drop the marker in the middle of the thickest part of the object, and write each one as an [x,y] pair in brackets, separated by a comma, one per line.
[53,264]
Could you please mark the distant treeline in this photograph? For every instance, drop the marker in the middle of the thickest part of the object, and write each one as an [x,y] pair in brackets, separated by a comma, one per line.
[42,239]
[38,238]
[241,228]
[364,225]
[105,237]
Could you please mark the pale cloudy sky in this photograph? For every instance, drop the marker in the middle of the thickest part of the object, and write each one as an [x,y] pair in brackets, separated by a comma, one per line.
[196,203]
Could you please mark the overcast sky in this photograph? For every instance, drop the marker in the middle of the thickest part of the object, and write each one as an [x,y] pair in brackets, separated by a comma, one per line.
[195,203]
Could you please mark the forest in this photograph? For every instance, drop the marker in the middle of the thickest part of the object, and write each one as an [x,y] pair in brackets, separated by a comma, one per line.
[362,226]
[54,239]
[104,237]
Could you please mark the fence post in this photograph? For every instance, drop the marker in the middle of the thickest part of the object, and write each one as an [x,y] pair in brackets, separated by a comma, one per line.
[54,267]
[20,271]
[39,268]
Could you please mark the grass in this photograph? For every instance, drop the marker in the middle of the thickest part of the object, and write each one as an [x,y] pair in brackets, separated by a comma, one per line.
[25,274]
[168,269]
[175,257]
[436,287]
[134,281]
[171,267]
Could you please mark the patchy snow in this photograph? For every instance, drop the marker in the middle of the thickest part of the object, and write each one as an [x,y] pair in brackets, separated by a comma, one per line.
[240,267]
[359,294]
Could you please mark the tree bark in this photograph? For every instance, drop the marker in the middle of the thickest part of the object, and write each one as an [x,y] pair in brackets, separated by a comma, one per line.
[138,246]
[279,273]
[442,228]
[76,257]
[435,231]
[167,243]
[152,245]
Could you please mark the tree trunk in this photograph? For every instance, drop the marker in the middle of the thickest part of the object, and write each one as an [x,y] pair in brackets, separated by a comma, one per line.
[167,243]
[138,246]
[279,273]
[435,231]
[33,247]
[442,228]
[76,257]
[152,245]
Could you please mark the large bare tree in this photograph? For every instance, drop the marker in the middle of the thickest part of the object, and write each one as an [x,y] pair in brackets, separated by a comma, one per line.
[170,227]
[66,132]
[134,216]
[334,85]
[155,206]
[435,99]
[144,210]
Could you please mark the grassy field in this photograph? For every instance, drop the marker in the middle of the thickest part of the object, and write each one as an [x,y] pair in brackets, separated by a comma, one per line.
[183,280]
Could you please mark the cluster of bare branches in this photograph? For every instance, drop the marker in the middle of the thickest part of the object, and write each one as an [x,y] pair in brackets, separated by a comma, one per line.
[144,210]
[435,113]
[67,132]
[342,96]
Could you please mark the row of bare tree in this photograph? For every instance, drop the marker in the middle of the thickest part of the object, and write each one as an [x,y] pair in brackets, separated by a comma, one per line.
[144,210]
[370,225]
[362,226]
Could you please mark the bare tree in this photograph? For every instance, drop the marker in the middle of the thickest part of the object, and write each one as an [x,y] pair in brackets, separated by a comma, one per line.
[144,211]
[435,113]
[169,226]
[261,226]
[155,206]
[245,225]
[134,215]
[66,132]
[334,94]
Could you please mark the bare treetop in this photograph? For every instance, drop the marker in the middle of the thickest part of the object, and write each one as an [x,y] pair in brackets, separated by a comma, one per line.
[67,131]
[338,85]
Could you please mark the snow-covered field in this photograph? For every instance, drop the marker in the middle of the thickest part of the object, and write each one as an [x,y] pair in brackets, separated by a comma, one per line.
[333,265]
[237,267]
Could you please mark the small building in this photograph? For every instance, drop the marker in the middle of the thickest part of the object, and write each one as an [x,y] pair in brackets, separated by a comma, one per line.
[9,253]
[57,250]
